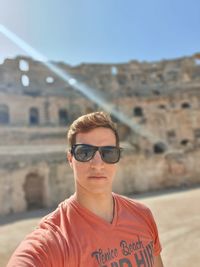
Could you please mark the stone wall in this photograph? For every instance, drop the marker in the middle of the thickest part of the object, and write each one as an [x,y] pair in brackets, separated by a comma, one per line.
[161,136]
[40,177]
[33,178]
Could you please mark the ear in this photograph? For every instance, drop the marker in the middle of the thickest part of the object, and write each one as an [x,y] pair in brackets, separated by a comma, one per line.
[69,158]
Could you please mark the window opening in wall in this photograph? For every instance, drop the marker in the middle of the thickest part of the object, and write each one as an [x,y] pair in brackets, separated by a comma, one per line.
[25,80]
[33,189]
[197,133]
[23,65]
[156,92]
[63,117]
[171,134]
[143,81]
[129,91]
[172,75]
[138,112]
[49,80]
[4,114]
[197,61]
[136,93]
[121,79]
[114,118]
[114,70]
[184,142]
[34,116]
[159,148]
[96,106]
[162,106]
[72,81]
[160,77]
[185,105]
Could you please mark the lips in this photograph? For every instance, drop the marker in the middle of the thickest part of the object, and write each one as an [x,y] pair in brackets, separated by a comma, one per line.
[98,177]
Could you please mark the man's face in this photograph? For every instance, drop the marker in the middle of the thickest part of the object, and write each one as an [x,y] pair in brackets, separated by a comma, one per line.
[94,176]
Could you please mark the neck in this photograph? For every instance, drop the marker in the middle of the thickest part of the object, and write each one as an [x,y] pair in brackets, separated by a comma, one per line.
[101,205]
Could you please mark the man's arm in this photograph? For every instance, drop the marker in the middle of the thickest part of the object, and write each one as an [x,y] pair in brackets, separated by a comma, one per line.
[158,261]
[41,248]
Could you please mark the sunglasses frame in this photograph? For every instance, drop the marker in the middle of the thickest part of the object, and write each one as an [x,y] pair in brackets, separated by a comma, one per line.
[95,149]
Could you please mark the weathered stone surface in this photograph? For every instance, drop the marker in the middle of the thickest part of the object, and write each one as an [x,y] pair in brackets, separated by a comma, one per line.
[161,102]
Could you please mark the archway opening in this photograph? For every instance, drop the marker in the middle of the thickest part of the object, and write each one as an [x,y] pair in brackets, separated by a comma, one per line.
[4,114]
[159,148]
[34,116]
[34,188]
[138,112]
[63,117]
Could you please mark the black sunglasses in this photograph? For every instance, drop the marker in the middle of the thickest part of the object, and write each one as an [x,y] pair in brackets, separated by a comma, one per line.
[84,153]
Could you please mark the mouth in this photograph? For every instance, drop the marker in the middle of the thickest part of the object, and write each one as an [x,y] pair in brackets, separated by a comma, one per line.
[97,177]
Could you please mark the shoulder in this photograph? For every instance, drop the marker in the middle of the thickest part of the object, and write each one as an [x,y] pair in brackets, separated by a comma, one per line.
[133,206]
[131,203]
[136,211]
[48,244]
[57,217]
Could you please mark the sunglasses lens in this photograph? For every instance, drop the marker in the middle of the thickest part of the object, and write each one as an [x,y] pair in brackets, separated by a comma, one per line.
[110,154]
[83,153]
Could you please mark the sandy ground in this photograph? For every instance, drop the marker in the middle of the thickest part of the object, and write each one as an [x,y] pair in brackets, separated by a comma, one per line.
[177,215]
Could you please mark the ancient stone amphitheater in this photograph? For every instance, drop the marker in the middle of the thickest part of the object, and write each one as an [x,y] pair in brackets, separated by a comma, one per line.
[160,99]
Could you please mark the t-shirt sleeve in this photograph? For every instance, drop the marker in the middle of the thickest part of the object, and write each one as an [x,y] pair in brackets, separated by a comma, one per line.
[44,247]
[155,235]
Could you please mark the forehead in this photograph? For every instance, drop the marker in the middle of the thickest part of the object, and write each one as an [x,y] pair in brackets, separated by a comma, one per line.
[98,137]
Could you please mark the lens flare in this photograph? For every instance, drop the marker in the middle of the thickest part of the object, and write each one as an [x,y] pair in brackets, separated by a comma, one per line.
[87,91]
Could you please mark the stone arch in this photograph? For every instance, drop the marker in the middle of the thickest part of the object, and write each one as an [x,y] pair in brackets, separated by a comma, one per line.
[33,189]
[63,116]
[4,114]
[184,142]
[122,79]
[23,65]
[114,118]
[25,80]
[138,112]
[156,92]
[114,70]
[197,133]
[33,116]
[185,105]
[162,106]
[197,136]
[50,80]
[159,148]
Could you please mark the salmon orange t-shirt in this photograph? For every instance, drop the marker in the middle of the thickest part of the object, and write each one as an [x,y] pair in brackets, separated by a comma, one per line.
[73,236]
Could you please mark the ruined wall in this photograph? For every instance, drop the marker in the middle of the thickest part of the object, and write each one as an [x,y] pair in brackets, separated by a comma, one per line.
[42,177]
[33,178]
[160,99]
[48,109]
[153,95]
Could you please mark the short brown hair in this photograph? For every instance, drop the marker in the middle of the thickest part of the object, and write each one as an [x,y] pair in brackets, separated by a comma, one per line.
[88,122]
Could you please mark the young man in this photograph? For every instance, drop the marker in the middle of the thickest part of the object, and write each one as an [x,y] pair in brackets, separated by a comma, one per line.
[94,227]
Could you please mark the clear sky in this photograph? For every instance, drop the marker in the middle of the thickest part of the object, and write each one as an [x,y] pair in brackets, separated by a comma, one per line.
[103,31]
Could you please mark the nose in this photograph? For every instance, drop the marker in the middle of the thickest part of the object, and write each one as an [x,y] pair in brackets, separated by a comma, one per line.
[96,161]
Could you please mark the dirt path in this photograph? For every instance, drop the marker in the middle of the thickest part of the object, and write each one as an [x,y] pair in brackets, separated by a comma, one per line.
[177,215]
[178,219]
